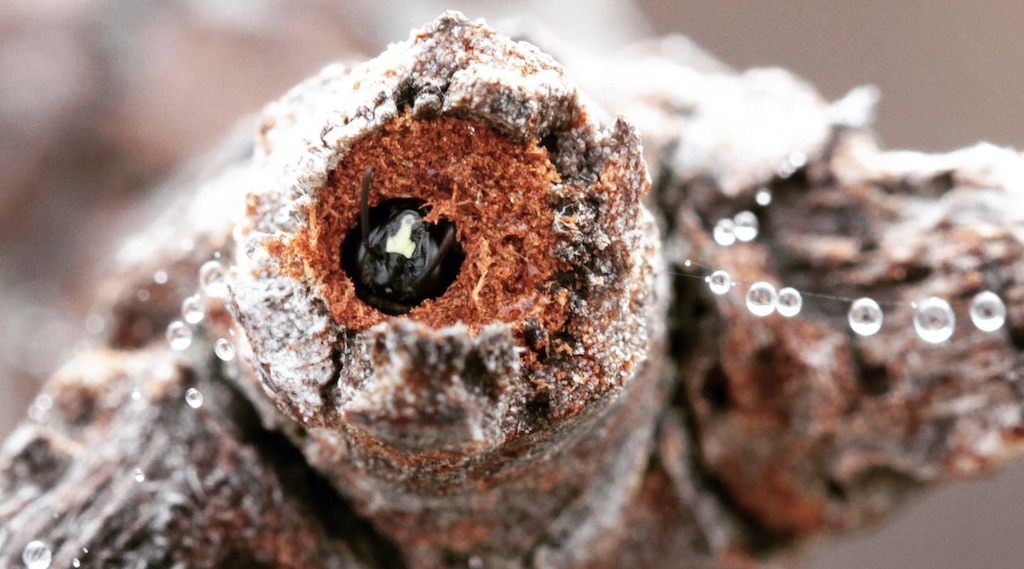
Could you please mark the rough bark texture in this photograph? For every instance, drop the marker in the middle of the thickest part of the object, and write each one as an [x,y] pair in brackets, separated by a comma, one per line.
[316,446]
[466,427]
[120,472]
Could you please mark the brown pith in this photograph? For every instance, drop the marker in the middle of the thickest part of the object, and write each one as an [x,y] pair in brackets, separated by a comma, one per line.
[495,191]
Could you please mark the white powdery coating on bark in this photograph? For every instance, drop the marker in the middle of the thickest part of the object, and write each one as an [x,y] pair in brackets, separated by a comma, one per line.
[295,339]
[413,420]
[758,119]
[981,165]
[458,68]
[736,129]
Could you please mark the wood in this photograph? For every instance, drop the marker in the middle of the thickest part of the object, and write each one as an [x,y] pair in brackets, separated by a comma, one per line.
[726,439]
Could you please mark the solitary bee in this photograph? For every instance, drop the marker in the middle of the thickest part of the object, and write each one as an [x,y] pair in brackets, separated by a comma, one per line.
[396,259]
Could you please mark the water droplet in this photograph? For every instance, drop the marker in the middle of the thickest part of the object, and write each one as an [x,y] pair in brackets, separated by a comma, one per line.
[76,563]
[793,162]
[687,263]
[865,317]
[723,232]
[719,282]
[160,277]
[136,395]
[745,226]
[94,324]
[934,320]
[194,398]
[42,404]
[761,299]
[224,349]
[211,279]
[143,295]
[139,475]
[763,197]
[988,311]
[790,302]
[36,555]
[179,335]
[192,308]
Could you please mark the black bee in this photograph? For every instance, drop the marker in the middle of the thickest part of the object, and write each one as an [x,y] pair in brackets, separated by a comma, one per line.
[396,259]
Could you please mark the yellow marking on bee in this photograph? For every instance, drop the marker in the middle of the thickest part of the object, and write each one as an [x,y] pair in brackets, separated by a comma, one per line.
[401,241]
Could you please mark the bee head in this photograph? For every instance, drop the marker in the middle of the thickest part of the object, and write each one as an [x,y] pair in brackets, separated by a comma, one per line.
[395,258]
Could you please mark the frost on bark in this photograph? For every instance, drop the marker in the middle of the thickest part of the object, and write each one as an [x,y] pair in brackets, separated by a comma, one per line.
[576,398]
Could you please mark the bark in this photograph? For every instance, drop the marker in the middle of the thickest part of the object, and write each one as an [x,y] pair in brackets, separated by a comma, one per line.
[340,437]
[118,471]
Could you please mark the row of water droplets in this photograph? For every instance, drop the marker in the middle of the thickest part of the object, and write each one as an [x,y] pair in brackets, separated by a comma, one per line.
[37,554]
[212,285]
[934,319]
[179,337]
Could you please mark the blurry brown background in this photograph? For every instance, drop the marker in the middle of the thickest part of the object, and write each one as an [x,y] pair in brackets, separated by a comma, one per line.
[100,99]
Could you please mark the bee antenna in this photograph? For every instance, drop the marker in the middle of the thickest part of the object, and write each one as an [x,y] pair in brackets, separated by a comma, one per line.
[442,252]
[364,207]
